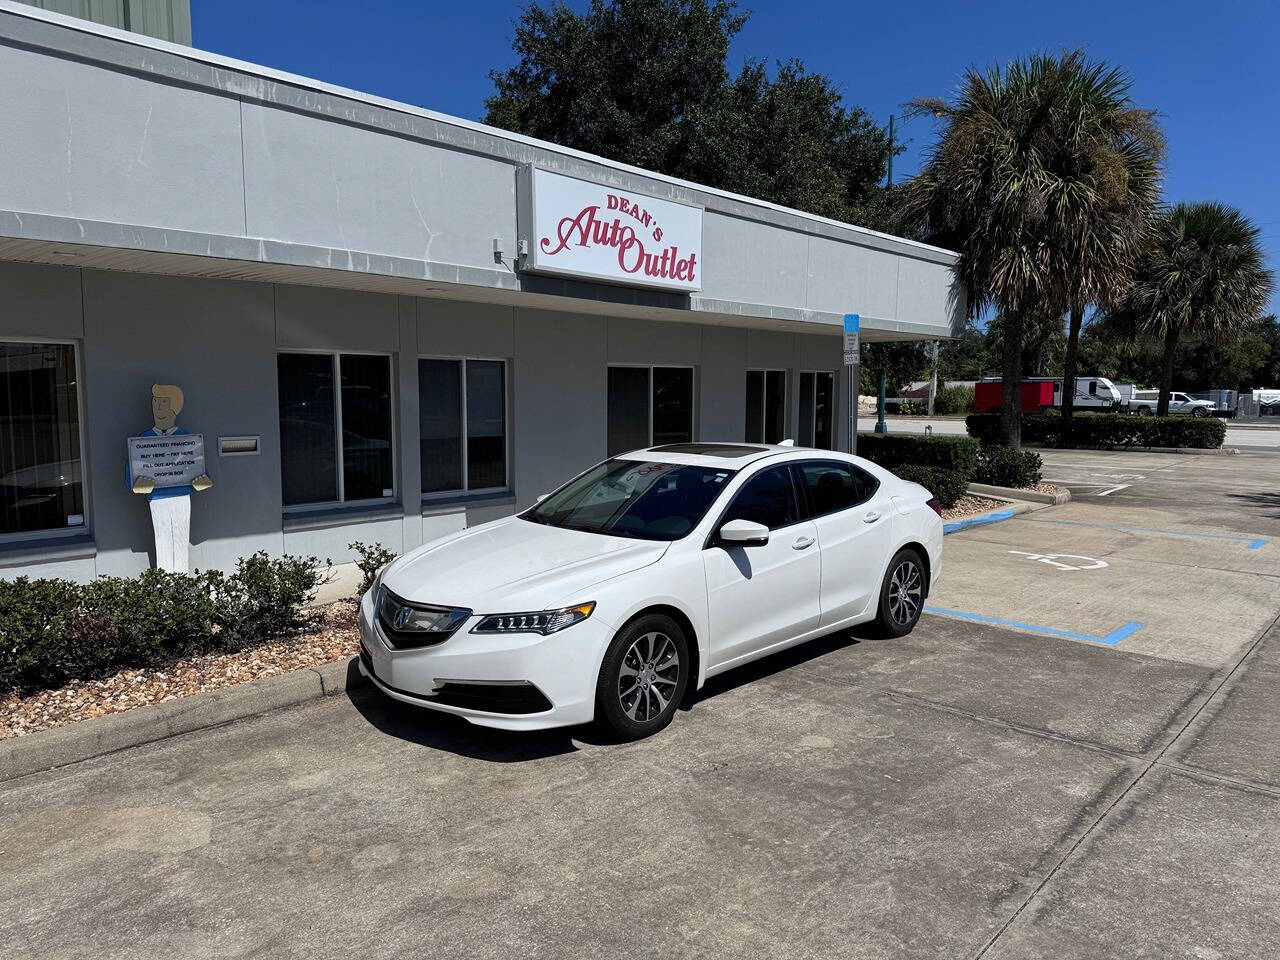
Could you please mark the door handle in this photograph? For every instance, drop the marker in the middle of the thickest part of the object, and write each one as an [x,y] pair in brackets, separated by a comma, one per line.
[802,543]
[871,516]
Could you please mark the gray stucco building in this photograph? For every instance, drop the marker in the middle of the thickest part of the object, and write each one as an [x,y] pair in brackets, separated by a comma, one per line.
[387,323]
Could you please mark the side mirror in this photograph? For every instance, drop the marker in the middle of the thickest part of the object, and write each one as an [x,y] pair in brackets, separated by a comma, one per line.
[744,533]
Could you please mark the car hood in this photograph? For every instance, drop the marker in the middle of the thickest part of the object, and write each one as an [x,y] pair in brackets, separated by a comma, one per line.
[512,565]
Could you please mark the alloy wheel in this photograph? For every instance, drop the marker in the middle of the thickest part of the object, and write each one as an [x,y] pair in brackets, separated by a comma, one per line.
[649,676]
[905,588]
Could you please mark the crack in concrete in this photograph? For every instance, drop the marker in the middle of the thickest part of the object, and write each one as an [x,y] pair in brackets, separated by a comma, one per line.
[1229,678]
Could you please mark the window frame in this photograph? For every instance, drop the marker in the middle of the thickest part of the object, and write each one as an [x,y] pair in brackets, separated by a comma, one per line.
[835,403]
[650,367]
[393,383]
[434,496]
[802,485]
[764,397]
[799,498]
[85,527]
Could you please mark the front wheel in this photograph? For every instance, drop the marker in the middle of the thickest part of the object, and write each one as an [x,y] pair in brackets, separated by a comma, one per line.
[643,677]
[901,594]
[1199,412]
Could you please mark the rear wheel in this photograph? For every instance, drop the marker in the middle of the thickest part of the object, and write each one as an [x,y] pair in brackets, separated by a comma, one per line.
[902,594]
[643,677]
[1144,411]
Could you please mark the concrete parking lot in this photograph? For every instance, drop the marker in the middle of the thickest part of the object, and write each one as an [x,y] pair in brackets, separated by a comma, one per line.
[1027,775]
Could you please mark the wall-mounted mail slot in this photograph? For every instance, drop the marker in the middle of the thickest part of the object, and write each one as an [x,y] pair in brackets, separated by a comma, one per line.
[238,446]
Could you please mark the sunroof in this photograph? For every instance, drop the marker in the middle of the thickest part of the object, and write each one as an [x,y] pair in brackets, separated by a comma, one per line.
[730,451]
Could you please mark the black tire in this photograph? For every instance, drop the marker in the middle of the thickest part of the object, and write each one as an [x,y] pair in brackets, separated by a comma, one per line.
[654,650]
[901,594]
[1199,412]
[1144,411]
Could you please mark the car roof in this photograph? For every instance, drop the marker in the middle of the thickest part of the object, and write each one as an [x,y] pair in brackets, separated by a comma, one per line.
[730,455]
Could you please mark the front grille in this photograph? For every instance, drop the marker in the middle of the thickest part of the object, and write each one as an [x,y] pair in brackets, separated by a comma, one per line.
[390,606]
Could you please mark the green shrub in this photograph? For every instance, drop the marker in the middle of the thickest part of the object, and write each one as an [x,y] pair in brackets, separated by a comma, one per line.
[912,408]
[56,631]
[952,400]
[1003,466]
[370,558]
[947,485]
[891,450]
[1105,430]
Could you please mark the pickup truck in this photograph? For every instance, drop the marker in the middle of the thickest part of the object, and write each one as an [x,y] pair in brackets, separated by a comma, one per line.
[1144,403]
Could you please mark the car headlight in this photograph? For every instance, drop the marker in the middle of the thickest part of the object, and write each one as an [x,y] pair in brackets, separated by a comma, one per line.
[537,621]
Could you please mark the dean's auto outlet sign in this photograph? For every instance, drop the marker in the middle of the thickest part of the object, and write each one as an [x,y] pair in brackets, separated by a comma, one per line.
[583,229]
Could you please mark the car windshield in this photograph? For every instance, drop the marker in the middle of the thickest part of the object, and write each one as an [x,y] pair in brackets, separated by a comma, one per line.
[634,498]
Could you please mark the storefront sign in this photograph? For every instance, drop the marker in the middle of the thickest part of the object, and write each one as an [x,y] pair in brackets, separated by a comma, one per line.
[583,229]
[171,461]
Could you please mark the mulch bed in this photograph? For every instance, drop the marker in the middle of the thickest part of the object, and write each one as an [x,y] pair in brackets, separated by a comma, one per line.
[336,637]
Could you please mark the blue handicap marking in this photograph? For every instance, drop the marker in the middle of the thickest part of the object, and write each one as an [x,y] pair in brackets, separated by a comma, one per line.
[982,519]
[1110,640]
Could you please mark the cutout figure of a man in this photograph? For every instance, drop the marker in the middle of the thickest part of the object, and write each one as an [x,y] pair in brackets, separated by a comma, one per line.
[170,506]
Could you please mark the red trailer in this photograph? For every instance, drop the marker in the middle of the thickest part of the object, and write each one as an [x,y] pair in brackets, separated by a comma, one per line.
[1037,395]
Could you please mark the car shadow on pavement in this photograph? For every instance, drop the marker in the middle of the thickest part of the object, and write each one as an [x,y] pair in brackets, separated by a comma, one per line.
[444,731]
[777,663]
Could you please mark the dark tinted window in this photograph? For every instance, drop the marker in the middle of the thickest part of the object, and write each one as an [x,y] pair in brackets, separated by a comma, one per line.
[308,442]
[766,498]
[672,405]
[631,498]
[835,486]
[440,424]
[628,409]
[486,432]
[366,427]
[40,471]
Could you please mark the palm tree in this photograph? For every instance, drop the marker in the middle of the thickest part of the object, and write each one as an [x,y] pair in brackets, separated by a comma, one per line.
[1202,272]
[1034,179]
[1103,214]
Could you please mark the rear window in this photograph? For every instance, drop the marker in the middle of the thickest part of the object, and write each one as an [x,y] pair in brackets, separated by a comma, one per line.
[835,486]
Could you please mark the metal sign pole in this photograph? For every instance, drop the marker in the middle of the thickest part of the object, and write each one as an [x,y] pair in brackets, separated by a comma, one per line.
[851,360]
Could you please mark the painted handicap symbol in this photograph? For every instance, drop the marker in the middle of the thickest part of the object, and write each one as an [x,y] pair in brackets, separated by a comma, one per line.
[1055,560]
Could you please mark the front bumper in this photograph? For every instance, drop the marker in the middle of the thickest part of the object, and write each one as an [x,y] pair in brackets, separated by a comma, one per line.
[521,681]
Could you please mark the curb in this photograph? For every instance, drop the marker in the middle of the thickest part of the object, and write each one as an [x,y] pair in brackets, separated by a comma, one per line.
[85,739]
[1191,451]
[995,515]
[1014,493]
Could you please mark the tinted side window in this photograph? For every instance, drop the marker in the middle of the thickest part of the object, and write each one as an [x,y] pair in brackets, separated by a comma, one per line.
[835,486]
[767,498]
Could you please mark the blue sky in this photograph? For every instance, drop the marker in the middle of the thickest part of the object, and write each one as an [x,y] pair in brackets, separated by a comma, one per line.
[1203,66]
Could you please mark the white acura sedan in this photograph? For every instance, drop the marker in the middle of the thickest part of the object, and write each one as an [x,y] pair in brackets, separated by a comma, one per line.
[646,574]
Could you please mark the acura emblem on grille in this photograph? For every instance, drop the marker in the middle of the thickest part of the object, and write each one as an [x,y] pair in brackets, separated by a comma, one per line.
[402,617]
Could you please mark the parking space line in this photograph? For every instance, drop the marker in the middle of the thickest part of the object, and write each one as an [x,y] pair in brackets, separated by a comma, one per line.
[1110,640]
[1254,543]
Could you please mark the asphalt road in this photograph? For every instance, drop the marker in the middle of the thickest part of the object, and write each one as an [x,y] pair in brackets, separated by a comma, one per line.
[973,790]
[1254,437]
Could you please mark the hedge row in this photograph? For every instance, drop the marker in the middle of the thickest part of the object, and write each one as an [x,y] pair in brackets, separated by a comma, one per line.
[1006,467]
[1105,430]
[942,465]
[55,631]
[892,449]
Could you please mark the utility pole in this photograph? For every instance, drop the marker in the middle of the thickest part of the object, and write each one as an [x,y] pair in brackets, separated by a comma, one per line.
[890,183]
[933,374]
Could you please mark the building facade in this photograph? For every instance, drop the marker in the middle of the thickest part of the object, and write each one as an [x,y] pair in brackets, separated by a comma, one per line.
[386,323]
